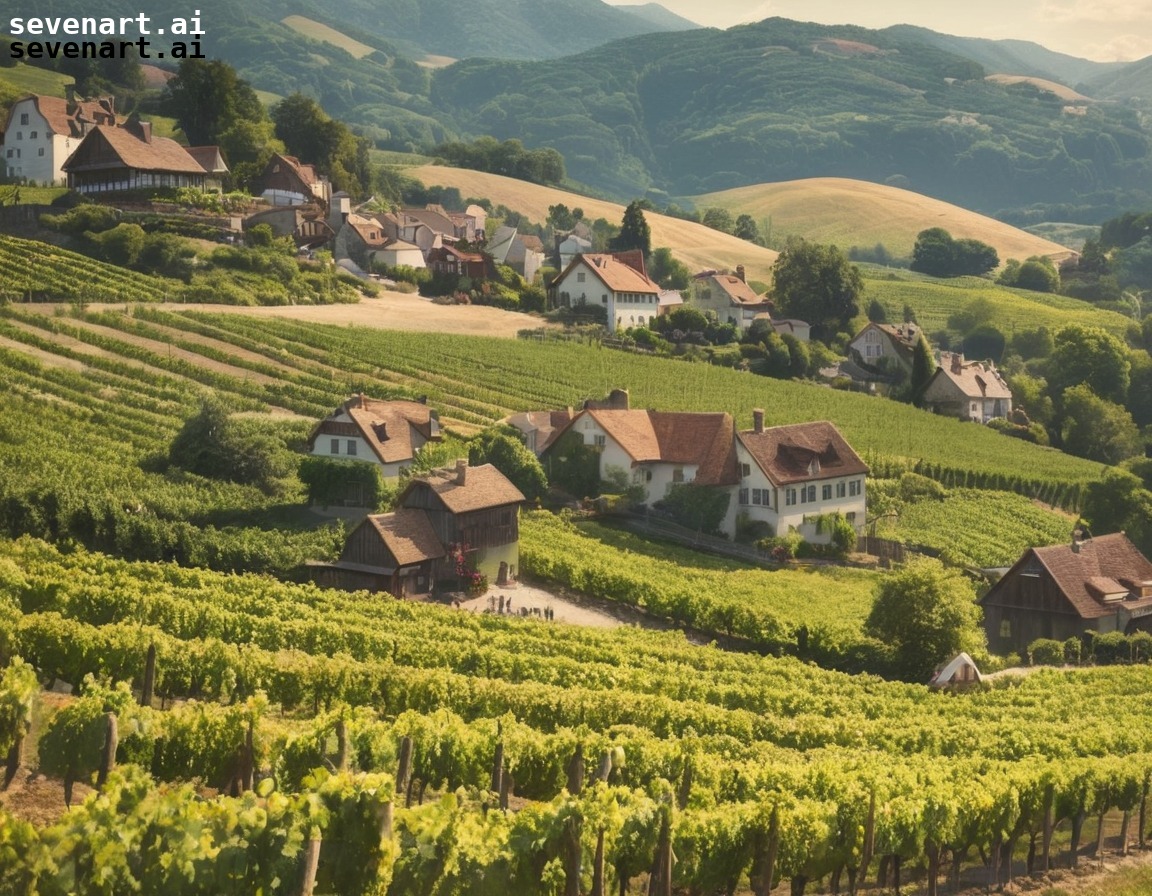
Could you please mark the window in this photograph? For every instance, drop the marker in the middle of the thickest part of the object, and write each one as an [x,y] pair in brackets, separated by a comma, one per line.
[604,299]
[599,441]
[351,447]
[24,118]
[790,497]
[580,275]
[744,496]
[826,493]
[678,474]
[745,470]
[841,489]
[762,497]
[41,150]
[1005,628]
[335,447]
[32,136]
[19,135]
[854,488]
[808,495]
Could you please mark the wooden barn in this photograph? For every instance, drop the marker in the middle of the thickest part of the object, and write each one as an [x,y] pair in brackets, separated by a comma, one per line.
[462,516]
[1101,584]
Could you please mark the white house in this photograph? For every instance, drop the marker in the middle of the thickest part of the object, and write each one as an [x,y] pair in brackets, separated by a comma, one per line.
[790,475]
[881,345]
[658,449]
[728,296]
[43,131]
[387,433]
[617,282]
[969,390]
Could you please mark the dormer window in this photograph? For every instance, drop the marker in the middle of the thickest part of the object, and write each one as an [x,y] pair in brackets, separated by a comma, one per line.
[814,467]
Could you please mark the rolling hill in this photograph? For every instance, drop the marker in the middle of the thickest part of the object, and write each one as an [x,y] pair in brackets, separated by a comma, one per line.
[697,246]
[827,210]
[851,213]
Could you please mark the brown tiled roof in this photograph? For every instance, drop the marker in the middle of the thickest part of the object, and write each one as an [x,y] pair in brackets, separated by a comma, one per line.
[546,424]
[615,274]
[408,535]
[704,440]
[903,337]
[209,158]
[1107,558]
[66,118]
[532,242]
[368,229]
[786,453]
[387,426]
[484,487]
[125,144]
[738,292]
[972,378]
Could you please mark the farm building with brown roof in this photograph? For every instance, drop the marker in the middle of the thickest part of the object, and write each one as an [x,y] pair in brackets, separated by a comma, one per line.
[1101,584]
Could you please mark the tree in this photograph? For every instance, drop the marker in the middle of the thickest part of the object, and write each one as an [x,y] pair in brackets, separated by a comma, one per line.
[1120,502]
[634,231]
[876,312]
[504,450]
[818,284]
[926,613]
[1038,274]
[311,135]
[923,366]
[936,253]
[213,444]
[206,97]
[1097,429]
[1089,355]
[746,229]
[667,271]
[718,219]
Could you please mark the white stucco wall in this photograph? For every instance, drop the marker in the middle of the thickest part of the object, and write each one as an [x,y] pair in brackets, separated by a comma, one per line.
[35,158]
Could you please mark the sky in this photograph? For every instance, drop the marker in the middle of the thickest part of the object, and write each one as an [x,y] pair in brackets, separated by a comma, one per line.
[1103,30]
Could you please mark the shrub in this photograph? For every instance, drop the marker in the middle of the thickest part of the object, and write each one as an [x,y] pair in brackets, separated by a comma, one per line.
[1046,652]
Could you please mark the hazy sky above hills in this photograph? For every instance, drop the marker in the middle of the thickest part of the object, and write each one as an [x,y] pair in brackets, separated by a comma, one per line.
[1104,30]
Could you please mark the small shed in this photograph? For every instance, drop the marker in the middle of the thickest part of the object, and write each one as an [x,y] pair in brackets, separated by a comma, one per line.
[959,672]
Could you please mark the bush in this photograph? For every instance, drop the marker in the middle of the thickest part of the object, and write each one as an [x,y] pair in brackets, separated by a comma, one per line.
[1046,652]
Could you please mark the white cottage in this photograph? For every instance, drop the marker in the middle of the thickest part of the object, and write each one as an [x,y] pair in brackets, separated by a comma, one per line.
[970,390]
[43,131]
[790,475]
[387,433]
[617,282]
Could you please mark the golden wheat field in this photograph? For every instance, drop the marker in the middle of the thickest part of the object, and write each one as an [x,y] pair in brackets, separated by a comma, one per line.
[856,213]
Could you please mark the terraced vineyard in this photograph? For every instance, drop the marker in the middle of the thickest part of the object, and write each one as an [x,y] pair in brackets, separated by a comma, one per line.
[934,301]
[744,768]
[36,271]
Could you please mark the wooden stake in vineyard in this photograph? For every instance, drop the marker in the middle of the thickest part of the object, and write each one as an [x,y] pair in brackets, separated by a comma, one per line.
[149,685]
[111,742]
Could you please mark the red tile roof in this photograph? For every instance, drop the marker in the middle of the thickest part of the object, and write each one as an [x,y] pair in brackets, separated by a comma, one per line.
[484,487]
[68,118]
[1107,564]
[408,536]
[126,146]
[387,426]
[802,452]
[704,440]
[972,378]
[614,273]
[738,292]
[209,158]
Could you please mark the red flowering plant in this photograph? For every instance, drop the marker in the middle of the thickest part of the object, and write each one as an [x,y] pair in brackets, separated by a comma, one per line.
[472,581]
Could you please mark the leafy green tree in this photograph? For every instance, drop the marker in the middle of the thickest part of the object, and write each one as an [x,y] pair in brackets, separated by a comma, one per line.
[923,366]
[311,135]
[1038,274]
[747,229]
[818,284]
[1097,429]
[1089,355]
[121,245]
[1036,343]
[667,271]
[1120,502]
[718,219]
[1140,391]
[504,450]
[938,254]
[926,613]
[213,444]
[985,342]
[206,97]
[634,231]
[876,312]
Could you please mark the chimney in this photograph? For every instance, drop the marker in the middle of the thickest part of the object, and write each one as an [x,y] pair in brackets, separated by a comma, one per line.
[758,420]
[740,273]
[70,94]
[957,362]
[361,397]
[461,472]
[619,400]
